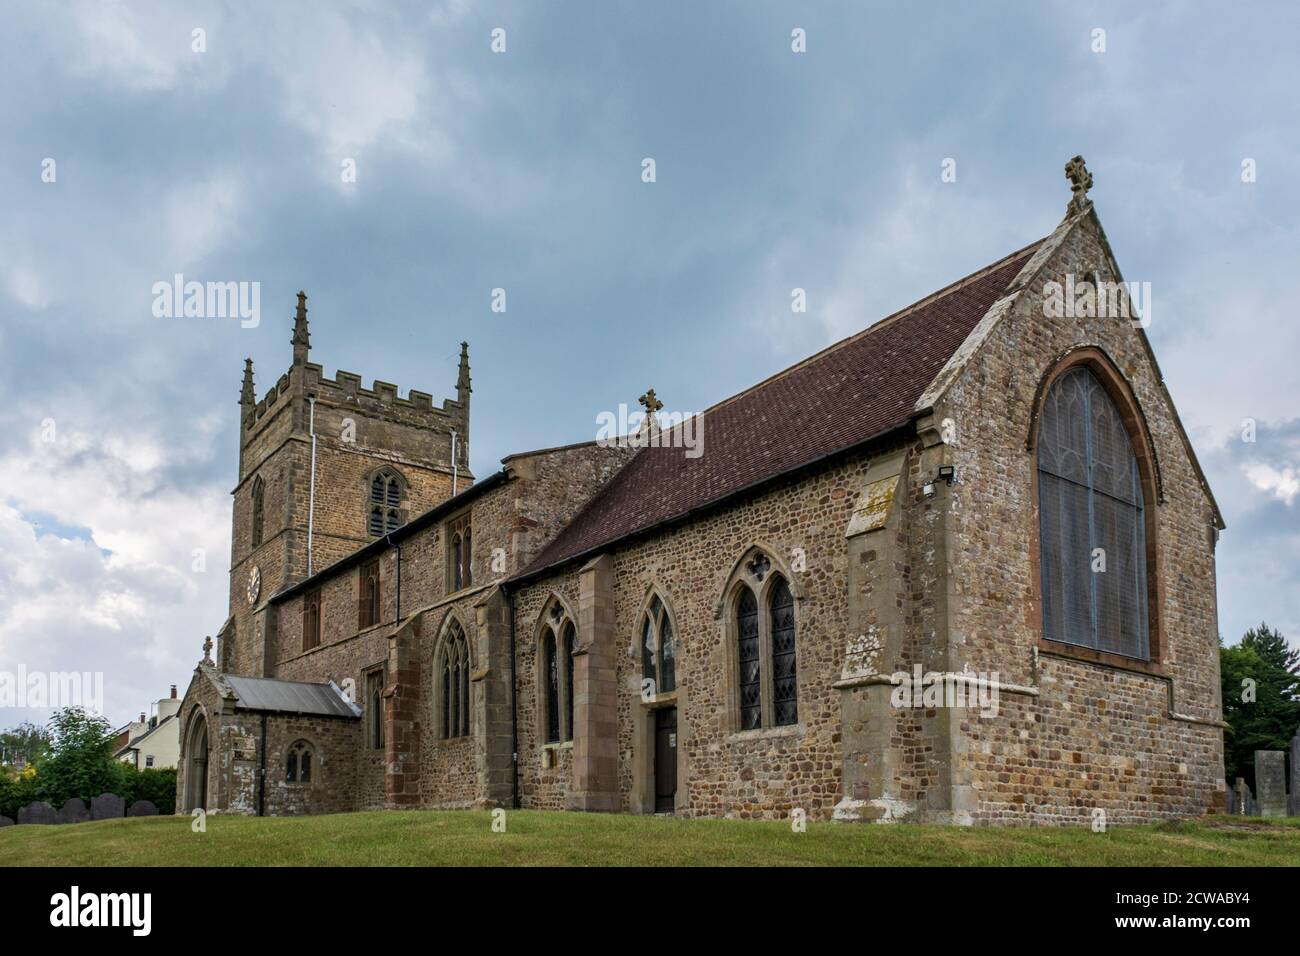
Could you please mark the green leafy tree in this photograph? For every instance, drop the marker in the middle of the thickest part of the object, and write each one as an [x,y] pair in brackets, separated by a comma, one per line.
[80,760]
[1261,698]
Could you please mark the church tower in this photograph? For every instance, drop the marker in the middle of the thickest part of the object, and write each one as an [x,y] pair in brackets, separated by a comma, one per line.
[326,466]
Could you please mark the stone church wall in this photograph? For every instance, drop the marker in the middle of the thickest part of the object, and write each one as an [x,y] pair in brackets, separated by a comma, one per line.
[1136,746]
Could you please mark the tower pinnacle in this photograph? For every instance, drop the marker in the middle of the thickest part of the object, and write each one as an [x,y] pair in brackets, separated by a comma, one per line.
[301,337]
[247,394]
[462,380]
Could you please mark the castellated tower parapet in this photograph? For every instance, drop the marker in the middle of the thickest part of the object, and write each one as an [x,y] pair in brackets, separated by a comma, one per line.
[311,449]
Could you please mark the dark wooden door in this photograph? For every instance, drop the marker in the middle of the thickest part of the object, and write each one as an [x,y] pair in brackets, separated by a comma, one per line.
[665,759]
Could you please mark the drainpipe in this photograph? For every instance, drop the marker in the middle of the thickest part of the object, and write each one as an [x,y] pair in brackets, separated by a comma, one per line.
[514,706]
[261,775]
[454,461]
[311,494]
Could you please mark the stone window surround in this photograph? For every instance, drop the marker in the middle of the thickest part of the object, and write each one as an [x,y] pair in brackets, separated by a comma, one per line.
[742,576]
[453,617]
[669,696]
[403,492]
[558,626]
[380,669]
[316,764]
[462,521]
[1120,392]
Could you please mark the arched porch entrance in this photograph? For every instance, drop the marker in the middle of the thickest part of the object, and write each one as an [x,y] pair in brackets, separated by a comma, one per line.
[196,765]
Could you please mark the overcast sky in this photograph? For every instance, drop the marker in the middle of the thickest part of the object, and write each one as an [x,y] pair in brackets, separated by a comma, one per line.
[522,170]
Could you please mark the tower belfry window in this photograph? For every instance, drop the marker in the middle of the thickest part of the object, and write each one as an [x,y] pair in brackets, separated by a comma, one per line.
[385,503]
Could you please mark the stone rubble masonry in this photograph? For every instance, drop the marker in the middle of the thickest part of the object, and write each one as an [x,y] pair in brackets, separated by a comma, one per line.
[886,576]
[358,431]
[416,767]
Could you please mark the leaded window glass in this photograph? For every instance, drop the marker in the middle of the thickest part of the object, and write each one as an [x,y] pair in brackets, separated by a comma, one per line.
[785,683]
[455,684]
[751,691]
[1091,524]
[552,676]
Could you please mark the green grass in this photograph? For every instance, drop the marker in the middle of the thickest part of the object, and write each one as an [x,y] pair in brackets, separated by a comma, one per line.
[535,838]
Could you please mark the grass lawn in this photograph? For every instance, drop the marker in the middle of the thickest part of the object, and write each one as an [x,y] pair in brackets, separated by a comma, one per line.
[533,838]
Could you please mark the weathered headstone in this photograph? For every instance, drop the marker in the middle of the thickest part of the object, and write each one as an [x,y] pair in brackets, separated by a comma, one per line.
[6,822]
[39,812]
[74,811]
[107,806]
[1242,801]
[142,808]
[1295,775]
[1270,782]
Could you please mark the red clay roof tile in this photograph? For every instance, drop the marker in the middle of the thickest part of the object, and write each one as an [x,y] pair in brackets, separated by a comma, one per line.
[845,395]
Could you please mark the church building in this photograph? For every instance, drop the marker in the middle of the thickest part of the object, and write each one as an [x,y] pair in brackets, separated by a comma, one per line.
[956,568]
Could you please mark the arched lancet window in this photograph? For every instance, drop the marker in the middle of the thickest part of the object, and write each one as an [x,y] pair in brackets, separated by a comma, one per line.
[385,503]
[455,683]
[1092,524]
[658,662]
[557,647]
[259,494]
[460,556]
[785,678]
[551,674]
[751,692]
[764,630]
[298,763]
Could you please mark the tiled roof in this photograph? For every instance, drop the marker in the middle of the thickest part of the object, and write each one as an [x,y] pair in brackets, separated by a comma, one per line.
[840,398]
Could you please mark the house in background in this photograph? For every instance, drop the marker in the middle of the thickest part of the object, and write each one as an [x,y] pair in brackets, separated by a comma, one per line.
[154,742]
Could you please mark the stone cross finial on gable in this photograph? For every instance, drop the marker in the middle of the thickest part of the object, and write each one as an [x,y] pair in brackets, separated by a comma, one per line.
[207,649]
[650,422]
[1076,171]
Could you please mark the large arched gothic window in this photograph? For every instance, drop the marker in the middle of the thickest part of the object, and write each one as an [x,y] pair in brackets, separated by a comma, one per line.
[658,659]
[384,503]
[454,717]
[259,494]
[764,632]
[1092,523]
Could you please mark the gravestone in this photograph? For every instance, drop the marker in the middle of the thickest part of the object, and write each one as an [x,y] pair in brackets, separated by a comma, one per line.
[6,822]
[107,806]
[74,811]
[142,808]
[1295,775]
[1270,782]
[1227,797]
[39,812]
[1242,802]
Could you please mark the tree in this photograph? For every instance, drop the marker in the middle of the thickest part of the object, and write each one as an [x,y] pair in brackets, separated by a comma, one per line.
[80,760]
[1261,698]
[25,743]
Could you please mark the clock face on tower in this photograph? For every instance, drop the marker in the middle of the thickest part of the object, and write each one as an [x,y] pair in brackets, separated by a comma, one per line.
[254,584]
